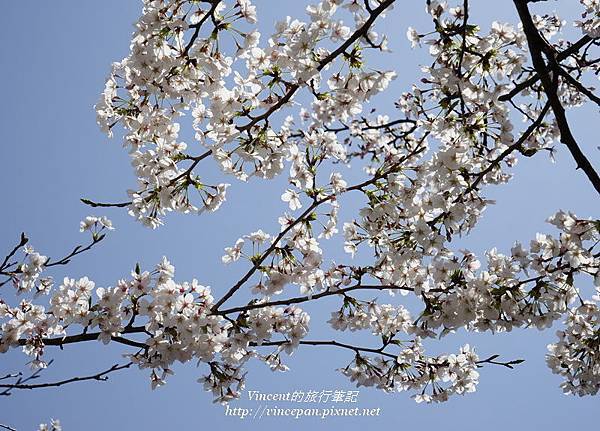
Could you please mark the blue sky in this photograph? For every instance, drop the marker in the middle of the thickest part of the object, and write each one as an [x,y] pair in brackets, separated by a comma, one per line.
[55,57]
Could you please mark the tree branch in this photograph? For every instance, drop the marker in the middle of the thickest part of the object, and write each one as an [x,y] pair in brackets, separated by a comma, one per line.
[101,376]
[91,336]
[21,243]
[356,349]
[363,30]
[579,86]
[536,47]
[105,205]
[516,146]
[305,214]
[300,299]
[574,48]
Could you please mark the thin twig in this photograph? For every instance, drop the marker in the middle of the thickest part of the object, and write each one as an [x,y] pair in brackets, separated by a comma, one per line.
[300,299]
[574,48]
[101,376]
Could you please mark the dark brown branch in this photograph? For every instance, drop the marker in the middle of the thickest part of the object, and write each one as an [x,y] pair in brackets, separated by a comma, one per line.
[189,170]
[10,376]
[537,46]
[4,271]
[210,13]
[356,349]
[90,336]
[491,360]
[367,126]
[381,351]
[76,251]
[104,205]
[23,380]
[186,173]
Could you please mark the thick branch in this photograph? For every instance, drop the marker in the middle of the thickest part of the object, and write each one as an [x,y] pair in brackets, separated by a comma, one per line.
[91,336]
[537,46]
[104,205]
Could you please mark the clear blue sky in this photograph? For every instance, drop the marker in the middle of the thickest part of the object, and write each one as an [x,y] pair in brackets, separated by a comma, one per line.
[55,57]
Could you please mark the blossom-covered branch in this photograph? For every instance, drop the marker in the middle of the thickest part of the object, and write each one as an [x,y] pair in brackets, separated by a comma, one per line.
[421,176]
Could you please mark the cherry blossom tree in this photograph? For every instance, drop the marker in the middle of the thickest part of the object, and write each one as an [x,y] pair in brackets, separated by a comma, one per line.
[492,94]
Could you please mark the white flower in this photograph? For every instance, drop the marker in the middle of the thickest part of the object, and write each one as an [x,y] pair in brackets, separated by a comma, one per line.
[258,237]
[413,37]
[292,198]
[92,222]
[337,182]
[233,253]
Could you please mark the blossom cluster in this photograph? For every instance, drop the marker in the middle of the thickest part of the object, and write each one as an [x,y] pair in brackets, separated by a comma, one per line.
[176,65]
[26,274]
[382,319]
[176,320]
[54,425]
[433,378]
[576,355]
